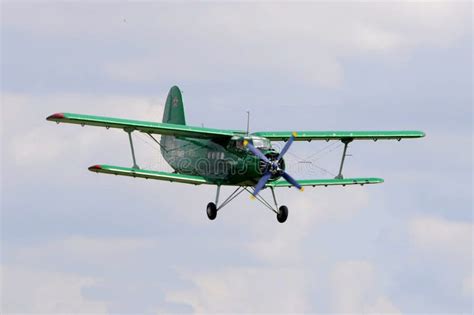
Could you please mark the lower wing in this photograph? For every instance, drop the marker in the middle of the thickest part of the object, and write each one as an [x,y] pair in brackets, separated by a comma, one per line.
[340,135]
[199,180]
[327,182]
[147,174]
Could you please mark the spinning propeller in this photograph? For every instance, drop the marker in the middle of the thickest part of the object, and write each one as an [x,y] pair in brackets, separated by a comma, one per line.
[273,167]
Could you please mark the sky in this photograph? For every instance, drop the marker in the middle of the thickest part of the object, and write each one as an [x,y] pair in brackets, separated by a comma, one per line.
[76,242]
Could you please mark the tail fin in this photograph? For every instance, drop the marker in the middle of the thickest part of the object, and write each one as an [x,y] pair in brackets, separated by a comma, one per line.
[174,109]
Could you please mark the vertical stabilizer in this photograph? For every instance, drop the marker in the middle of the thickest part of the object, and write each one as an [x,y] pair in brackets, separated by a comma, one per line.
[174,109]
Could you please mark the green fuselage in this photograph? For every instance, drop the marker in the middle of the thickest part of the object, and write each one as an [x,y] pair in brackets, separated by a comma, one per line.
[224,162]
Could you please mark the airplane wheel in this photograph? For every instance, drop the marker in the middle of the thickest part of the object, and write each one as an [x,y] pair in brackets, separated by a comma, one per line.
[211,210]
[283,214]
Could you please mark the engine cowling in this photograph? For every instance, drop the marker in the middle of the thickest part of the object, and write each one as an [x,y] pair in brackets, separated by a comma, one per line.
[264,167]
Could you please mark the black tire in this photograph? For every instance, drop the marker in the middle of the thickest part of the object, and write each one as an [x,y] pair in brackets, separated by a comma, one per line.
[211,210]
[282,214]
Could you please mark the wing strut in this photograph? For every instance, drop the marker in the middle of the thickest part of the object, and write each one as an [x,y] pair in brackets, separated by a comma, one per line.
[346,143]
[129,131]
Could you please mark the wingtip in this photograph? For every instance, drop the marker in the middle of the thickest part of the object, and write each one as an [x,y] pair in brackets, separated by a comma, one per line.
[95,168]
[55,116]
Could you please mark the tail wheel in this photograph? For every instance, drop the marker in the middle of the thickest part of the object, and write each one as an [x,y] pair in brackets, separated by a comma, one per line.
[211,210]
[282,214]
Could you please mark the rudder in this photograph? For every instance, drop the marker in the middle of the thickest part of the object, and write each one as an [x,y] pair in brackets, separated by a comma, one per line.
[174,109]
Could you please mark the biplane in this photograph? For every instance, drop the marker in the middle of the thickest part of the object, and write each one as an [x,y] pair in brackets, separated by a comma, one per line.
[222,157]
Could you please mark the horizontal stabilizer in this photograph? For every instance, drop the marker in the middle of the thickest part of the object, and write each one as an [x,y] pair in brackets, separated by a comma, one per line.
[327,182]
[147,174]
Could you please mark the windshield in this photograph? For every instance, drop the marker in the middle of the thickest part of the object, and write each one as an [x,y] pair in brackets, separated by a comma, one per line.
[259,143]
[262,143]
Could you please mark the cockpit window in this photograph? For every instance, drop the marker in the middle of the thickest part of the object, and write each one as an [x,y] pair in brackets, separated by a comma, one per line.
[259,143]
[239,144]
[262,143]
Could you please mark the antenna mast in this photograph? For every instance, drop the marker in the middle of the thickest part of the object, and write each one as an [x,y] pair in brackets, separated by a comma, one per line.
[248,122]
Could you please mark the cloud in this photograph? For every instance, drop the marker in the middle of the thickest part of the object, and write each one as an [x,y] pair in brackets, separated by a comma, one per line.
[282,245]
[302,41]
[382,305]
[305,42]
[85,250]
[27,290]
[59,276]
[245,253]
[442,237]
[355,289]
[245,290]
[468,286]
[448,242]
[36,141]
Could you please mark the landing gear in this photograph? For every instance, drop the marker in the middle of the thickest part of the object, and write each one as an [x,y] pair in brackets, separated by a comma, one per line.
[282,214]
[213,207]
[211,210]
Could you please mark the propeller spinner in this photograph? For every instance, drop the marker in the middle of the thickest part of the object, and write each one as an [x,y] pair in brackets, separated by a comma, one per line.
[273,167]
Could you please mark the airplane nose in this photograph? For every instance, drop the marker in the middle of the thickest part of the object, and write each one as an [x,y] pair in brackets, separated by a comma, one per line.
[275,167]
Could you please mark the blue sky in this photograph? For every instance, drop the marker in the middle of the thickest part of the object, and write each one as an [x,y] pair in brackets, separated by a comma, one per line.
[77,242]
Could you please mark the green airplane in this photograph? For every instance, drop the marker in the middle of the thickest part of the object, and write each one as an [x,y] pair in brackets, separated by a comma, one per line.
[225,157]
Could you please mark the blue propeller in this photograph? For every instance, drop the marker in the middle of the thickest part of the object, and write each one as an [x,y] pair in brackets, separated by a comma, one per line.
[273,166]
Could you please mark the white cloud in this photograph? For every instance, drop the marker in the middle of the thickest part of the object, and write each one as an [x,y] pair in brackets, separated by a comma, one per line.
[447,241]
[31,283]
[245,290]
[468,286]
[26,290]
[302,41]
[281,245]
[305,42]
[355,289]
[85,250]
[442,237]
[34,141]
[351,282]
[382,305]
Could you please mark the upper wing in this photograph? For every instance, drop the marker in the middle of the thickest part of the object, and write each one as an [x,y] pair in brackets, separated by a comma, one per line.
[143,126]
[147,174]
[327,182]
[339,135]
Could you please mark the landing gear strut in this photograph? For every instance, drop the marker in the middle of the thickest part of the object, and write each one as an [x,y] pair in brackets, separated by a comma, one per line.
[212,208]
[282,213]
